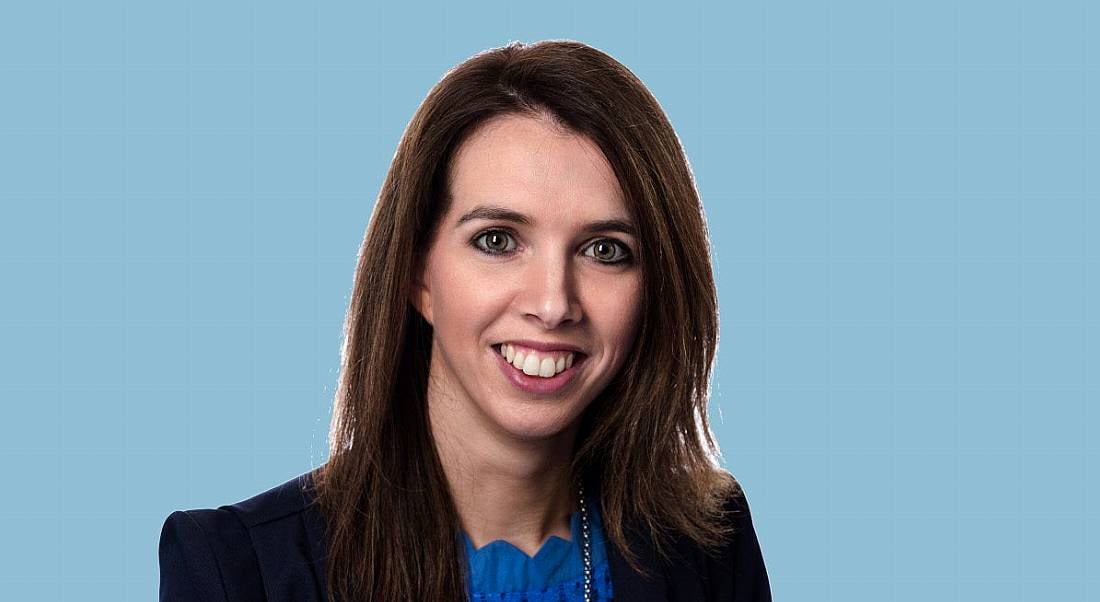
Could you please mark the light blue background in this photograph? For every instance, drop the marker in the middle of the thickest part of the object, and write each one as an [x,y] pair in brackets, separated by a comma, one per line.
[903,203]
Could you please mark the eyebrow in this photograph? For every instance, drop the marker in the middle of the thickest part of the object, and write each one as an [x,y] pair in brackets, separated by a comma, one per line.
[497,213]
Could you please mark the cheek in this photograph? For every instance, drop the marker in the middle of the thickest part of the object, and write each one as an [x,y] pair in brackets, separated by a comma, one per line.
[464,298]
[452,298]
[616,310]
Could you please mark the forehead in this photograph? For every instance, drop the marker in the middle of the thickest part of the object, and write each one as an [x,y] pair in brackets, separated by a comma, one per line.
[534,166]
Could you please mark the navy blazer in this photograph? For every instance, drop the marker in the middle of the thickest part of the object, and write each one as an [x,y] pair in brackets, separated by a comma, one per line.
[271,547]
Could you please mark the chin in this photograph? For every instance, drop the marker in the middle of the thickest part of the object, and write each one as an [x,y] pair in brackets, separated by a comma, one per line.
[533,425]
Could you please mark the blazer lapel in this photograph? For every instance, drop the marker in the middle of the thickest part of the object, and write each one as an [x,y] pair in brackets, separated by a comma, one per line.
[628,585]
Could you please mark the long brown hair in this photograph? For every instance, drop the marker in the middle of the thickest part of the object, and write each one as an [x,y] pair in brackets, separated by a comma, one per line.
[645,439]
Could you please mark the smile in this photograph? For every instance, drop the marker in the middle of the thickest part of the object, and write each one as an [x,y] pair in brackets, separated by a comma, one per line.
[536,363]
[526,368]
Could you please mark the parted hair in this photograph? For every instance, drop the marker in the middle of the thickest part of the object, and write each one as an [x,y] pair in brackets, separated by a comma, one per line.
[645,440]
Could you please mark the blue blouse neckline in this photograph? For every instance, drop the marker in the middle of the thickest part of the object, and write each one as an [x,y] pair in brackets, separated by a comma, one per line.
[500,566]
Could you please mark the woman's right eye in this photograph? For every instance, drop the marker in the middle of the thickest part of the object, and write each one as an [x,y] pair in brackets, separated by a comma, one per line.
[495,242]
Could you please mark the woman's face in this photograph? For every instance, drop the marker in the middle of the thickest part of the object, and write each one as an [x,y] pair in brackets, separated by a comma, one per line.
[537,247]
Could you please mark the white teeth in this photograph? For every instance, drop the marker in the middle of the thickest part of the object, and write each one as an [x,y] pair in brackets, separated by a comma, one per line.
[531,365]
[534,364]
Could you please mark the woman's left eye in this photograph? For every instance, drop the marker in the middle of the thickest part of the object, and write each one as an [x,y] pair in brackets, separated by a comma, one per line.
[602,248]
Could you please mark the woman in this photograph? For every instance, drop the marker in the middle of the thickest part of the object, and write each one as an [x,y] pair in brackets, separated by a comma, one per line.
[522,403]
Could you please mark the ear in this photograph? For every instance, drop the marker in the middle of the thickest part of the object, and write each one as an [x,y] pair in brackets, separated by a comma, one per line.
[421,297]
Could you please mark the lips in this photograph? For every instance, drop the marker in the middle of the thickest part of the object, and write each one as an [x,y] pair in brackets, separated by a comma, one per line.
[537,385]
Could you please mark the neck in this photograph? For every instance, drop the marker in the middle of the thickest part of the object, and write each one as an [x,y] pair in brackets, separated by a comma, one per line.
[506,488]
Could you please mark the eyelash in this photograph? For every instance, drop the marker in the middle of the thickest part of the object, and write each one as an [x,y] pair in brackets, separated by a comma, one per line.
[626,259]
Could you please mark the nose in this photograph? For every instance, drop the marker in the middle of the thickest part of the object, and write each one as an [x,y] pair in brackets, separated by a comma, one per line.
[549,292]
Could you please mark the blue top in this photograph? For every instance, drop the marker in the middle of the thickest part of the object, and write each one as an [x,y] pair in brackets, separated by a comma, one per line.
[503,573]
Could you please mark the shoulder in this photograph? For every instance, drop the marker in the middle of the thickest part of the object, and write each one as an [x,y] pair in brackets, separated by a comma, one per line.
[735,507]
[278,503]
[231,523]
[737,571]
[731,571]
[230,551]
